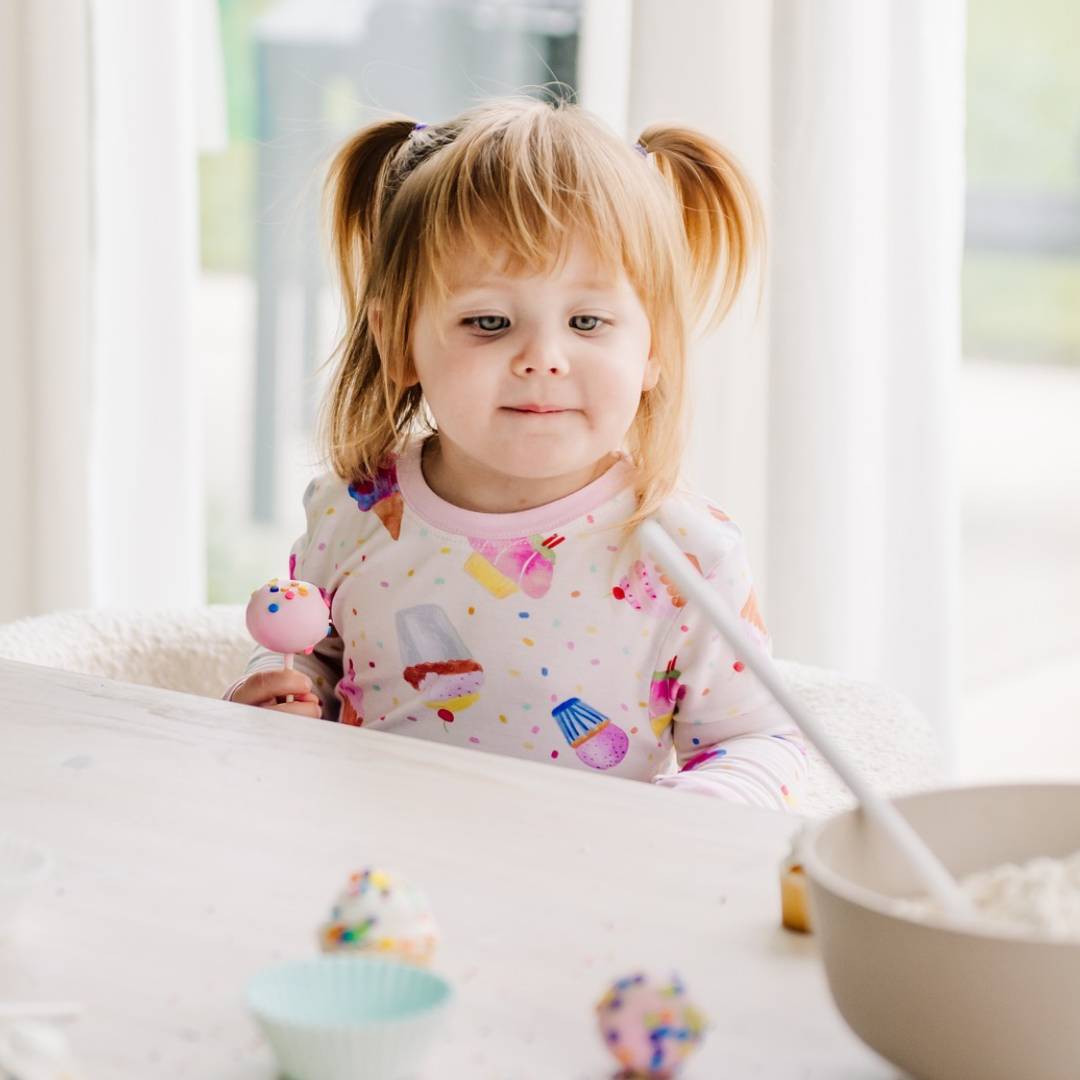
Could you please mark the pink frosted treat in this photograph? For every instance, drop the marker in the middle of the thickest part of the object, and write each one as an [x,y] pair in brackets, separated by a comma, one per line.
[649,1025]
[504,566]
[288,617]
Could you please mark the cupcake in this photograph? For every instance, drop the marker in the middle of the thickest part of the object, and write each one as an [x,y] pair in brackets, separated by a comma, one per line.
[504,566]
[379,912]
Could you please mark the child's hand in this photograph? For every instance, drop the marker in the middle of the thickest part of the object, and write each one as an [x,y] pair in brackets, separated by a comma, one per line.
[268,690]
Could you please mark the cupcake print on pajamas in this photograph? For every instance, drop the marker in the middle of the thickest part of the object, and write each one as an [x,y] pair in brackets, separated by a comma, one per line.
[382,496]
[595,739]
[651,591]
[665,693]
[437,663]
[504,566]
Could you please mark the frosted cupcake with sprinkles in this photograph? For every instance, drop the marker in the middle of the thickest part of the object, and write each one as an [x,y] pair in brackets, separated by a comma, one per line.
[379,912]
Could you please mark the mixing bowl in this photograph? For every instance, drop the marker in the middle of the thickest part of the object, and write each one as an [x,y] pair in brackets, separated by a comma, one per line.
[940,1000]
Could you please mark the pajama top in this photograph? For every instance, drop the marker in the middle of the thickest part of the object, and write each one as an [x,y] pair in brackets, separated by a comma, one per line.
[537,635]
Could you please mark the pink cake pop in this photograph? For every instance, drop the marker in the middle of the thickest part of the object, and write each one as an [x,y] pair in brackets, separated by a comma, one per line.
[649,1025]
[288,617]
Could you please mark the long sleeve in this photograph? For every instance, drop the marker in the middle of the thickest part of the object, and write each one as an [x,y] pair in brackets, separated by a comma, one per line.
[323,665]
[731,739]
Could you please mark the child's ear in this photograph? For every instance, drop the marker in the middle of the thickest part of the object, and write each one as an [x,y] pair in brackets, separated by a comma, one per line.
[376,325]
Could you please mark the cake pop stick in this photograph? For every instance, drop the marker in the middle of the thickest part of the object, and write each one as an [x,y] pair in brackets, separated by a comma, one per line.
[288,617]
[287,665]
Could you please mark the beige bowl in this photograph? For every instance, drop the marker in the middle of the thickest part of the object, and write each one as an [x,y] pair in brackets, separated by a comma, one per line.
[941,1002]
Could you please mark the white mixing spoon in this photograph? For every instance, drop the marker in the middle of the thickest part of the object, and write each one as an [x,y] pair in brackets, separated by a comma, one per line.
[938,882]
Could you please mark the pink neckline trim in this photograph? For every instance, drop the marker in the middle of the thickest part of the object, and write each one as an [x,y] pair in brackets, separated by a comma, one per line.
[444,515]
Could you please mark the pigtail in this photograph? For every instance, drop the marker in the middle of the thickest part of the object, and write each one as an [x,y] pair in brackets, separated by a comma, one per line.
[358,182]
[361,418]
[721,212]
[373,400]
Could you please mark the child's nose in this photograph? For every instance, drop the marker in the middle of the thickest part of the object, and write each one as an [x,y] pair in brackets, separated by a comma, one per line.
[543,353]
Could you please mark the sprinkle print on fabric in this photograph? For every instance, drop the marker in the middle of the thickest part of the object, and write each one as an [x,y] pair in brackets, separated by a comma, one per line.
[597,741]
[508,634]
[381,495]
[504,566]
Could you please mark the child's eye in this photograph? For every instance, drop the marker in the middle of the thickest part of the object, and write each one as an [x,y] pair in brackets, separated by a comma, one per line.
[477,320]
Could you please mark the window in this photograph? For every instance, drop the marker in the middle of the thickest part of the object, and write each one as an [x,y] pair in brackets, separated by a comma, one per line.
[301,76]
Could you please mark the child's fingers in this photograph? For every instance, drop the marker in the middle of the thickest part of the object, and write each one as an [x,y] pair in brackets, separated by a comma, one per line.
[299,699]
[299,708]
[262,686]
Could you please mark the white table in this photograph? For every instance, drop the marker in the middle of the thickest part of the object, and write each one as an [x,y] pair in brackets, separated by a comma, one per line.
[198,840]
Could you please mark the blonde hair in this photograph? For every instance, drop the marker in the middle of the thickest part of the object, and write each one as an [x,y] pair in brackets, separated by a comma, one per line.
[524,175]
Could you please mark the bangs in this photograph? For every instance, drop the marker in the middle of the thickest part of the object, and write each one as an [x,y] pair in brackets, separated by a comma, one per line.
[515,190]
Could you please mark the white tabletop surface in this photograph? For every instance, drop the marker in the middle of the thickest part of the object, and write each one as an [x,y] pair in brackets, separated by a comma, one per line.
[197,841]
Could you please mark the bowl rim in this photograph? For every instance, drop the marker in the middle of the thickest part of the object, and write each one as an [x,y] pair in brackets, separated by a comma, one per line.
[879,904]
[443,985]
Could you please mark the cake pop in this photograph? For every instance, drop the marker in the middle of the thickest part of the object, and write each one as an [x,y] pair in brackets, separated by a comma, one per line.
[379,912]
[288,617]
[649,1025]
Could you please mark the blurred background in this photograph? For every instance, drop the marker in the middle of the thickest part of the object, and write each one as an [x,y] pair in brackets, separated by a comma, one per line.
[991,452]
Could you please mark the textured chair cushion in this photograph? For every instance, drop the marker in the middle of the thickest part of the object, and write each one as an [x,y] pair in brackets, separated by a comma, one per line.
[203,650]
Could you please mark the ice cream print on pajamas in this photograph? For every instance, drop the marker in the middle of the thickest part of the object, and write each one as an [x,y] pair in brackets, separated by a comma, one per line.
[381,496]
[437,662]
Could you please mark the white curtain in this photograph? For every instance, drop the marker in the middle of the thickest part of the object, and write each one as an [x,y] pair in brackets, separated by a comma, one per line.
[148,542]
[103,106]
[44,306]
[827,425]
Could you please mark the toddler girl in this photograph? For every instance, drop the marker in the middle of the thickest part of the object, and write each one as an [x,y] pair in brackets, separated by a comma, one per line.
[509,403]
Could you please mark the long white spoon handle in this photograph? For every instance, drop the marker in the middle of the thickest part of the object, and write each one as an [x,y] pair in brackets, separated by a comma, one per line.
[937,880]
